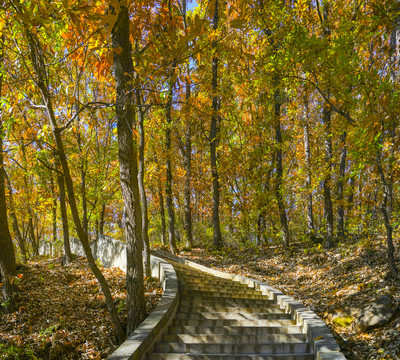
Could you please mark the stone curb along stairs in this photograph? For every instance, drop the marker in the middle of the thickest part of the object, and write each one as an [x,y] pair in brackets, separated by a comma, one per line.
[225,316]
[217,316]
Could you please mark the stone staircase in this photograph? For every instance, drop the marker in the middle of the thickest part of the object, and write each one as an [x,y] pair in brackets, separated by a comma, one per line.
[222,319]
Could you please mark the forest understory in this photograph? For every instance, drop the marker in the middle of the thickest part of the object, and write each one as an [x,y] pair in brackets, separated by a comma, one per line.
[62,313]
[328,282]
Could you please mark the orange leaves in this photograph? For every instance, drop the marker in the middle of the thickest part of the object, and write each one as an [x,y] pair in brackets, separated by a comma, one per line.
[118,50]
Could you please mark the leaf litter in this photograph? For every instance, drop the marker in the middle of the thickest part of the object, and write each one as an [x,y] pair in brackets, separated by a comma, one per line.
[62,312]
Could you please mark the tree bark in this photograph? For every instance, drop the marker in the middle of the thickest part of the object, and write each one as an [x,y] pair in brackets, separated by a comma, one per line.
[127,152]
[17,231]
[394,53]
[388,225]
[168,187]
[53,209]
[328,210]
[350,200]
[7,254]
[340,187]
[64,216]
[214,133]
[162,215]
[326,119]
[41,80]
[307,153]
[187,156]
[142,191]
[101,221]
[279,171]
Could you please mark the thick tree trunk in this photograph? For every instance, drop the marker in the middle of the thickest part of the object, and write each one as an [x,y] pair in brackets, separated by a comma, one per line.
[307,153]
[17,231]
[279,172]
[168,187]
[127,152]
[187,156]
[7,254]
[142,191]
[340,187]
[214,133]
[64,216]
[41,80]
[328,209]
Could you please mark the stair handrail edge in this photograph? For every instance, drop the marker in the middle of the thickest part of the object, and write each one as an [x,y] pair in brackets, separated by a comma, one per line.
[320,337]
[147,333]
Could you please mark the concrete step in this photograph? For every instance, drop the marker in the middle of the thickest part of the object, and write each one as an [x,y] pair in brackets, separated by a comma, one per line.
[213,286]
[205,278]
[164,356]
[182,315]
[219,319]
[221,294]
[224,322]
[219,290]
[224,301]
[266,309]
[238,348]
[235,339]
[235,330]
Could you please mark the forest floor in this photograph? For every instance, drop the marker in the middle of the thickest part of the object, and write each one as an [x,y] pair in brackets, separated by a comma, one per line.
[327,282]
[62,312]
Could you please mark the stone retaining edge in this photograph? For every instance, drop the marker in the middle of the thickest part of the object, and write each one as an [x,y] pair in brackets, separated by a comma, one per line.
[112,253]
[147,333]
[320,337]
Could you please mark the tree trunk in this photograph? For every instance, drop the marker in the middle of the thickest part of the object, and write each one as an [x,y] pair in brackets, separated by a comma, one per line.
[54,209]
[214,133]
[350,200]
[307,153]
[127,152]
[41,81]
[32,235]
[279,171]
[340,186]
[388,225]
[328,210]
[142,191]
[168,187]
[188,151]
[162,215]
[101,221]
[64,216]
[261,225]
[394,52]
[7,254]
[17,231]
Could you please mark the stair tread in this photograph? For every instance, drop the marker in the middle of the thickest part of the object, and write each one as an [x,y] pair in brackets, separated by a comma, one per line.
[221,319]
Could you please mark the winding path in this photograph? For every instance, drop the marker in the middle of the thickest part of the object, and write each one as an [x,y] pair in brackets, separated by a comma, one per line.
[223,319]
[205,314]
